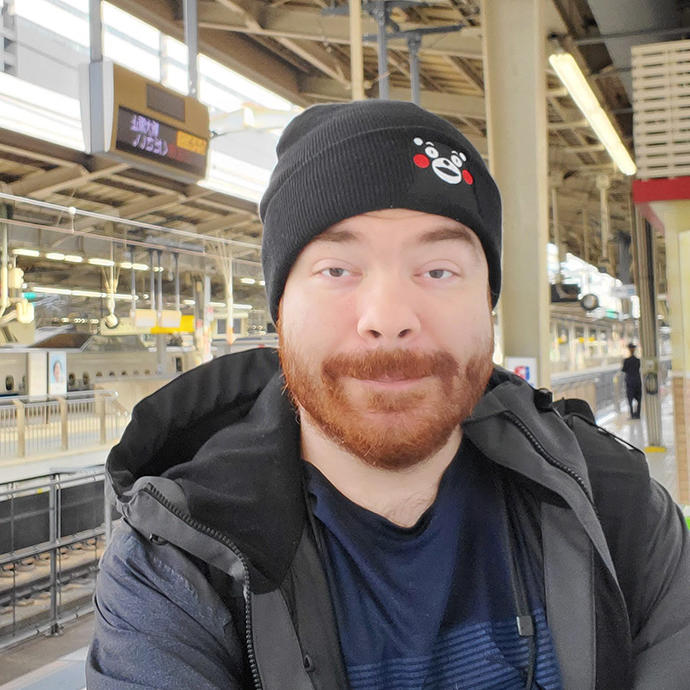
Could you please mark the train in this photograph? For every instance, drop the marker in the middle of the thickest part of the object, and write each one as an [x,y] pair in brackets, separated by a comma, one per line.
[578,343]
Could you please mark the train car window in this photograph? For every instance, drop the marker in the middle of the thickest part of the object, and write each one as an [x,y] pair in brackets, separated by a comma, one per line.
[111,373]
[71,379]
[124,373]
[178,364]
[99,374]
[85,378]
[147,372]
[9,383]
[136,372]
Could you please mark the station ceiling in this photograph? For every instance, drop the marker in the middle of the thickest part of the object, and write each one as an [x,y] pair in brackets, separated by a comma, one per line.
[300,50]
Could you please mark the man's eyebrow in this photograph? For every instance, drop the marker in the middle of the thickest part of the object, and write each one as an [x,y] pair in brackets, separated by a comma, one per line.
[450,233]
[331,235]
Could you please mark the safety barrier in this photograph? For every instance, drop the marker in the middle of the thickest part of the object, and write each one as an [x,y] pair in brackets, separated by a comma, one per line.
[36,426]
[53,530]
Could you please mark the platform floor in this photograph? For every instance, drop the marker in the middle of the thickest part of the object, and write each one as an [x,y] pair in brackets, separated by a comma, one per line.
[62,658]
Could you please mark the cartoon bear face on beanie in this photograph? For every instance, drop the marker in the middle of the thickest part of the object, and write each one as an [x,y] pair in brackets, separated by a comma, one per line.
[449,167]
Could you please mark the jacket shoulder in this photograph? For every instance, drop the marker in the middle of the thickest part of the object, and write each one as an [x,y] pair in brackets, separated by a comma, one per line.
[158,621]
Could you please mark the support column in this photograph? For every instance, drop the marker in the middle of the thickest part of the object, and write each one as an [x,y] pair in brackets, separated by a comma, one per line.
[556,181]
[356,51]
[96,116]
[646,288]
[514,60]
[191,38]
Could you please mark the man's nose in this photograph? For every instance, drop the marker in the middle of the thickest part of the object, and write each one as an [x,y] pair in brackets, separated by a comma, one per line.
[387,314]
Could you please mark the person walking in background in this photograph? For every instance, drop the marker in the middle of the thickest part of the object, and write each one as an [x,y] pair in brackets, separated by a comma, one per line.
[633,382]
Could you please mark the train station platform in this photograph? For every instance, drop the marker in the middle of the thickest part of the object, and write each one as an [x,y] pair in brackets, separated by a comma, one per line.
[48,662]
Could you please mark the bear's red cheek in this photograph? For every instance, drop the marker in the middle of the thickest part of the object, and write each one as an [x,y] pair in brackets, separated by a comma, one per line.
[467,176]
[421,161]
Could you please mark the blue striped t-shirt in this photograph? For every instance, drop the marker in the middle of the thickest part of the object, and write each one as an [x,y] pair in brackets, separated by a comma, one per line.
[430,606]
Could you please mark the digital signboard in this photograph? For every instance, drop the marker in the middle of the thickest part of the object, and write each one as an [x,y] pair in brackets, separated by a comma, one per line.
[149,137]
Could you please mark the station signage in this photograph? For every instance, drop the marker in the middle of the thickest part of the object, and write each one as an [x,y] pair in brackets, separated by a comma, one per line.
[151,138]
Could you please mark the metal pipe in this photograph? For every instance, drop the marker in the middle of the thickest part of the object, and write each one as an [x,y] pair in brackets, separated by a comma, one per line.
[603,183]
[121,221]
[133,283]
[381,14]
[356,51]
[160,283]
[4,272]
[95,31]
[177,281]
[191,38]
[556,230]
[53,536]
[152,282]
[414,41]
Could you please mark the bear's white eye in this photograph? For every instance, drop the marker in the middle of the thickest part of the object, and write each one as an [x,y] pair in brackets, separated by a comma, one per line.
[456,160]
[463,156]
[431,151]
[418,141]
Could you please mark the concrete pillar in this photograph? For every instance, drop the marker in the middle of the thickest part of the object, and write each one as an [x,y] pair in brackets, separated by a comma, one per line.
[515,80]
[675,215]
[356,51]
[649,367]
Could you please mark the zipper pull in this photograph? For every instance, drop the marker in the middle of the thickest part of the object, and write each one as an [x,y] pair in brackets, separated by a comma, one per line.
[525,626]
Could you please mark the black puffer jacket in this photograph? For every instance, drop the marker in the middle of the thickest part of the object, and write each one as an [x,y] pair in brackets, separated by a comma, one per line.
[215,579]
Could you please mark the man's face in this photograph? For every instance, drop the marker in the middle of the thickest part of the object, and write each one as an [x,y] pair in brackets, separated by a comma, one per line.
[386,335]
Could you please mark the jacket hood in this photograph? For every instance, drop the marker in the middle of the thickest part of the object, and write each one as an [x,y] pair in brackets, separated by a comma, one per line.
[222,443]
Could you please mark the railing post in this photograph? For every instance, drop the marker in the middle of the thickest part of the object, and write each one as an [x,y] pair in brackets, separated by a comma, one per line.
[21,428]
[100,413]
[64,427]
[53,528]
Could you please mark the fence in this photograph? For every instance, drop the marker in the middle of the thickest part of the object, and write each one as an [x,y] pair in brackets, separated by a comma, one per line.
[33,426]
[53,531]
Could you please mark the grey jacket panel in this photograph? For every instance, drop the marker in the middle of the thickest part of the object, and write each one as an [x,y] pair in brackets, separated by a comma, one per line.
[662,647]
[159,624]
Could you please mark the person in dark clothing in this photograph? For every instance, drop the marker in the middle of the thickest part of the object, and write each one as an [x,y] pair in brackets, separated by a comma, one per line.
[633,382]
[376,505]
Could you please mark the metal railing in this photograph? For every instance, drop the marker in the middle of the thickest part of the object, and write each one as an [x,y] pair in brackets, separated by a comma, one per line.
[53,530]
[36,426]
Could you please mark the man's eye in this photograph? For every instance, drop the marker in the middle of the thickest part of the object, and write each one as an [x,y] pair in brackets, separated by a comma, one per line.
[335,272]
[439,273]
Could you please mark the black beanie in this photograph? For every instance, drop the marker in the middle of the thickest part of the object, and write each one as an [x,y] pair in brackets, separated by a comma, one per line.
[338,160]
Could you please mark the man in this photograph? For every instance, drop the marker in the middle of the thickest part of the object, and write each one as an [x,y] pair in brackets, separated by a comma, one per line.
[384,509]
[633,382]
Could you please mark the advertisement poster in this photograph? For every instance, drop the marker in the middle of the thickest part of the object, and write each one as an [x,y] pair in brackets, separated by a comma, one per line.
[57,373]
[524,367]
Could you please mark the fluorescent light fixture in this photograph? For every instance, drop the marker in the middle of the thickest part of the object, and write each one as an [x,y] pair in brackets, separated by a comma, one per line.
[96,261]
[26,252]
[580,91]
[189,302]
[87,293]
[247,281]
[74,258]
[125,264]
[55,256]
[140,267]
[242,306]
[51,290]
[262,282]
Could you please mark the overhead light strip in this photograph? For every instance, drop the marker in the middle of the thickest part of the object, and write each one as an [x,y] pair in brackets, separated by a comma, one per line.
[580,91]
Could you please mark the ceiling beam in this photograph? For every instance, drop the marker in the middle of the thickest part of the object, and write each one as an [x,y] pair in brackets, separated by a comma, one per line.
[39,185]
[313,25]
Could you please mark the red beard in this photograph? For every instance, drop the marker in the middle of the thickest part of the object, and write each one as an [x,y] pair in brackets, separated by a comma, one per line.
[390,429]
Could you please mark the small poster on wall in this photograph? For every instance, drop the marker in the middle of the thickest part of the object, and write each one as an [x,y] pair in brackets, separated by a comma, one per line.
[57,373]
[525,367]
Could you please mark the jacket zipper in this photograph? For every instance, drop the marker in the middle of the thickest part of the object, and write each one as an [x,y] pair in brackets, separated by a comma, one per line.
[547,456]
[219,536]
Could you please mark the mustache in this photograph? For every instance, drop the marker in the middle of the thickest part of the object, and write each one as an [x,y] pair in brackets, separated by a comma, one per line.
[390,364]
